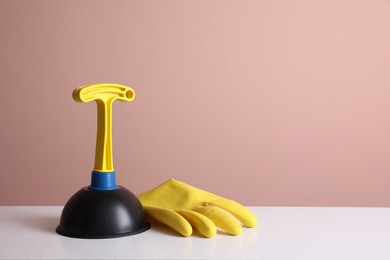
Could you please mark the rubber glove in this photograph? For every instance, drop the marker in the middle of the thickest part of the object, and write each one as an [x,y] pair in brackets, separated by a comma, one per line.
[181,207]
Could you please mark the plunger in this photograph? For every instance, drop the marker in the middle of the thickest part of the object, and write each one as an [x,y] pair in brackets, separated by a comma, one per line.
[103,209]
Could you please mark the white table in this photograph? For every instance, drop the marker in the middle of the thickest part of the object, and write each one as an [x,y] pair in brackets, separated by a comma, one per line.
[283,233]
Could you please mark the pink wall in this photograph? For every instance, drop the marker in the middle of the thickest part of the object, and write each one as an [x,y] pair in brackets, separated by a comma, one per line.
[266,102]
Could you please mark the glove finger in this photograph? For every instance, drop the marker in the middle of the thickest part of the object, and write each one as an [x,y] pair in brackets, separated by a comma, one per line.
[171,219]
[221,219]
[236,209]
[204,225]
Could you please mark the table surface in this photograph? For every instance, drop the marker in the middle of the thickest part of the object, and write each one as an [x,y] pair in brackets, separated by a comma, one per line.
[283,233]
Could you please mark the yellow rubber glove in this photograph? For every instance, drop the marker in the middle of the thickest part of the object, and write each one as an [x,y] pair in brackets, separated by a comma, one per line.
[181,207]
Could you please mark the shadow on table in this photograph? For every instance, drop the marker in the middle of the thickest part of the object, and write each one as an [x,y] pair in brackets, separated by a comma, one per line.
[44,223]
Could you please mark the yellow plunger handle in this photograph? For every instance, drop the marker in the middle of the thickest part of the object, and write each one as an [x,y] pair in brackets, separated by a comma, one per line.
[104,94]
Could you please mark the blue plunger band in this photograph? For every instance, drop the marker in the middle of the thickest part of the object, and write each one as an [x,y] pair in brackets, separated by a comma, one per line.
[103,181]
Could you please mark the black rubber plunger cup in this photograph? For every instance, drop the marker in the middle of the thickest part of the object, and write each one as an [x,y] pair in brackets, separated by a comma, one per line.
[103,209]
[102,213]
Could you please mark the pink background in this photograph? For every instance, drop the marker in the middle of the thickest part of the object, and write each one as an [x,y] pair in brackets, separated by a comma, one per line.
[265,102]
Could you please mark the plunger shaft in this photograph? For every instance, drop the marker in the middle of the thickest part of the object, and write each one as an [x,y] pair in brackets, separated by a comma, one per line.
[104,94]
